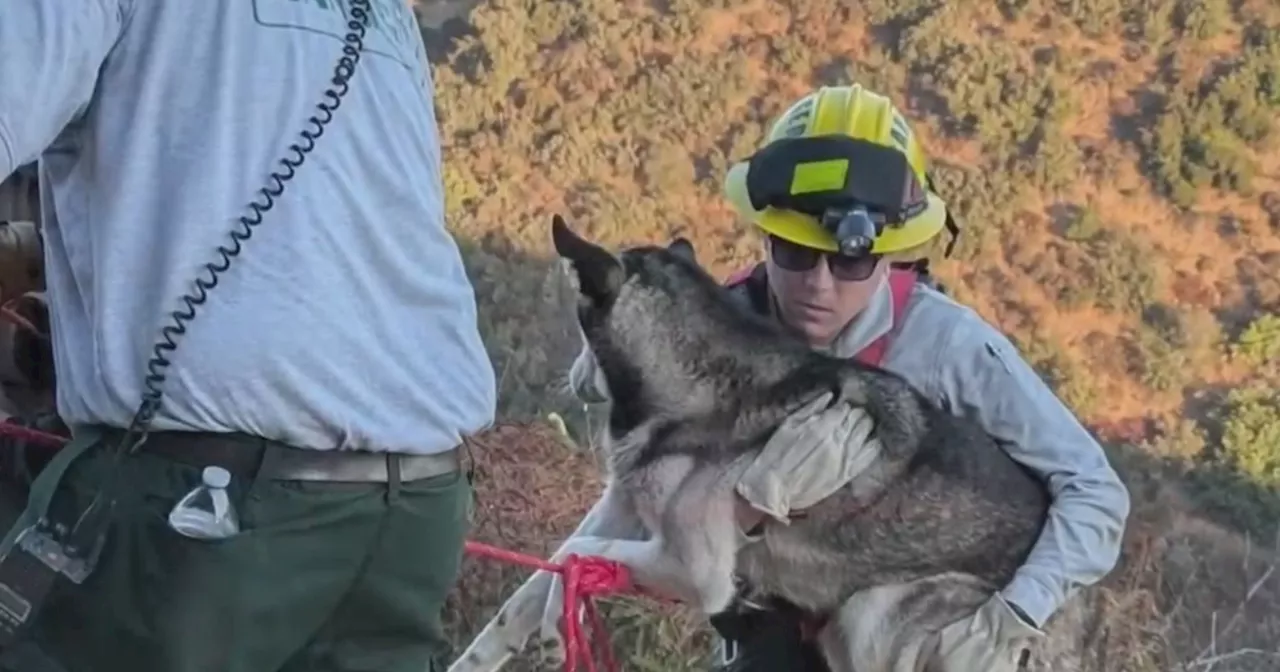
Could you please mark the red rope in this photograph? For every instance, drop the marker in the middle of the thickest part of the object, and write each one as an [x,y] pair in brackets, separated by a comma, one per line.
[28,435]
[583,578]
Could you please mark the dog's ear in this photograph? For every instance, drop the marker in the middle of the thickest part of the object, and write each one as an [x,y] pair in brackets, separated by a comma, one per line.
[600,274]
[681,247]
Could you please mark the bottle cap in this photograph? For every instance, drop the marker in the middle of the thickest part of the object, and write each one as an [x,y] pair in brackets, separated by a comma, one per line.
[216,477]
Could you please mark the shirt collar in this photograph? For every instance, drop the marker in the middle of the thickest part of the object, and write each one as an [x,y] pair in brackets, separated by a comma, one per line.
[873,322]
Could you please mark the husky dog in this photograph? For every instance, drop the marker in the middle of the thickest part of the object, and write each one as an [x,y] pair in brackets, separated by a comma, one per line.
[697,386]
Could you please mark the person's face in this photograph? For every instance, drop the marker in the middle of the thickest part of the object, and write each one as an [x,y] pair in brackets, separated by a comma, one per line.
[820,294]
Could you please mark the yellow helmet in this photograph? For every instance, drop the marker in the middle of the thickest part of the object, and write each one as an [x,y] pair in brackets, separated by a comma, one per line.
[841,171]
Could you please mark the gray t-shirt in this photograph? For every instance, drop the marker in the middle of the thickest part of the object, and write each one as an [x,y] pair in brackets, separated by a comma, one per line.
[348,321]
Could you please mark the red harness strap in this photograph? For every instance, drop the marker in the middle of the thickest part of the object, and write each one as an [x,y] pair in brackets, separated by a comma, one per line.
[902,281]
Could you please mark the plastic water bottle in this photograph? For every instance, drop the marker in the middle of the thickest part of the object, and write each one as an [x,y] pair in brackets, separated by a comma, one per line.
[206,511]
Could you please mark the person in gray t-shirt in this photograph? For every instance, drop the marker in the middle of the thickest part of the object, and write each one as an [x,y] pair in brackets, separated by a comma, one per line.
[333,371]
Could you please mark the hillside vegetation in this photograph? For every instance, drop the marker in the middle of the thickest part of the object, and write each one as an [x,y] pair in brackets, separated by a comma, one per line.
[1115,165]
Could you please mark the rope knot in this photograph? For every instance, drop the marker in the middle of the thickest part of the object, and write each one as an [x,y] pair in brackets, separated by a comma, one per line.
[585,577]
[597,576]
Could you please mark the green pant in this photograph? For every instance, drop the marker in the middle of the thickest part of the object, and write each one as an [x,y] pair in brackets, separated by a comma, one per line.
[340,577]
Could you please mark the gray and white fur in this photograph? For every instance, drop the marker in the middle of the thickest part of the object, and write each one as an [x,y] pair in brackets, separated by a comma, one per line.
[697,386]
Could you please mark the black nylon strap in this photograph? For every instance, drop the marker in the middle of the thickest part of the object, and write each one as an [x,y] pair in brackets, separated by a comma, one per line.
[878,177]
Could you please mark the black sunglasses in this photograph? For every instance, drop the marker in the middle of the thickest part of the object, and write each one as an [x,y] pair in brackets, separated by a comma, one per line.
[800,259]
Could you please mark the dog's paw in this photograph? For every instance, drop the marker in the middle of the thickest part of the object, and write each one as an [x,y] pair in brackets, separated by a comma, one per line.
[551,633]
[551,653]
[511,629]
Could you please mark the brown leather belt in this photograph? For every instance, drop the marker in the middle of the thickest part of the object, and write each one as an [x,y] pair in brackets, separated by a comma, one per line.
[246,455]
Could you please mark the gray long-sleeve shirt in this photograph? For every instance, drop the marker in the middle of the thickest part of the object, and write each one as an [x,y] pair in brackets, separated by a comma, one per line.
[348,321]
[968,367]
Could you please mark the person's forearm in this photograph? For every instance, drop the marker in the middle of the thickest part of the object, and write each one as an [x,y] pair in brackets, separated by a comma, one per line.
[986,378]
[1079,545]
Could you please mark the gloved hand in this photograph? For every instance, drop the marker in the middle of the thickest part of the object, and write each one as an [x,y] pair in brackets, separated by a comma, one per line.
[815,452]
[992,640]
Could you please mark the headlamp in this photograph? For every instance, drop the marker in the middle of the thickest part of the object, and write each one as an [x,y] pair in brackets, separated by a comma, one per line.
[855,230]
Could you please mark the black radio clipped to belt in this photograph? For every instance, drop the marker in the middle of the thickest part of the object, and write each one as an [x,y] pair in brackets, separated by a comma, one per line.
[26,576]
[41,546]
[47,542]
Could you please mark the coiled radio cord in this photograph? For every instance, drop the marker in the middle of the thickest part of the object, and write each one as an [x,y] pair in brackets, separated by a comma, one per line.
[86,536]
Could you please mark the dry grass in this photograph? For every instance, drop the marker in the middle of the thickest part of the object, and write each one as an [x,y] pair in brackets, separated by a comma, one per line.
[1188,594]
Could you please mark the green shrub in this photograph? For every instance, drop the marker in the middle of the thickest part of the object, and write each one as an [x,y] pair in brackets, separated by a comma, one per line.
[1236,500]
[1259,343]
[1095,17]
[1202,19]
[1182,442]
[991,90]
[1206,129]
[1085,225]
[1239,481]
[1159,363]
[1124,274]
[1150,22]
[1251,433]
